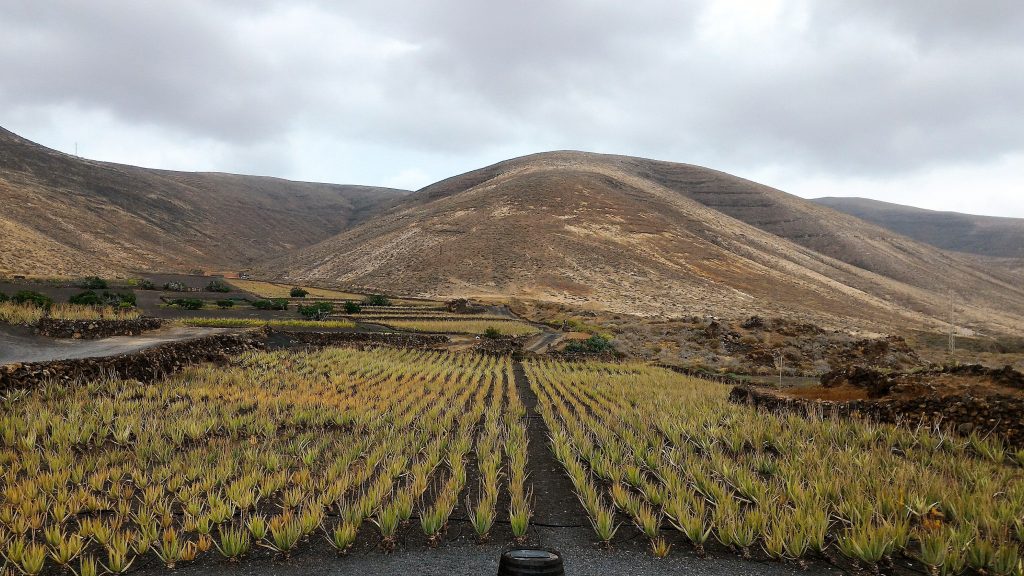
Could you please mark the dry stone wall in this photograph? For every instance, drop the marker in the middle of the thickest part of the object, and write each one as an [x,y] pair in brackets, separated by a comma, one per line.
[92,329]
[145,365]
[1000,414]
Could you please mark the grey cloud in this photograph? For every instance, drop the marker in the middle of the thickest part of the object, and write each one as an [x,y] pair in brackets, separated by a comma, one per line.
[834,88]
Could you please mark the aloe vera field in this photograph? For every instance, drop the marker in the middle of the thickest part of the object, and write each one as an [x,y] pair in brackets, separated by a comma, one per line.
[273,451]
[279,454]
[667,453]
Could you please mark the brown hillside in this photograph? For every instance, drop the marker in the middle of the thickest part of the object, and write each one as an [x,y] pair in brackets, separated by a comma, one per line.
[63,215]
[984,235]
[656,238]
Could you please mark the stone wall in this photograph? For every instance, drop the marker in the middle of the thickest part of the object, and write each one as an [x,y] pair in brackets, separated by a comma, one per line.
[145,365]
[92,329]
[1001,414]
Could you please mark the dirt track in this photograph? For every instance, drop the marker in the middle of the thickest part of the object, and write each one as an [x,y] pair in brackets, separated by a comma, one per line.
[19,344]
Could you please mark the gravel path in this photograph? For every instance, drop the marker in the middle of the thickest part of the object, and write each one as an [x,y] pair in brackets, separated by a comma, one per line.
[19,344]
[462,556]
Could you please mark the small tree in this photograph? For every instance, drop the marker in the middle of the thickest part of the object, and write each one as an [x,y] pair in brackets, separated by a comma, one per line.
[187,303]
[145,284]
[298,292]
[93,283]
[3,297]
[352,307]
[175,287]
[492,332]
[377,300]
[87,298]
[34,298]
[218,286]
[317,311]
[224,304]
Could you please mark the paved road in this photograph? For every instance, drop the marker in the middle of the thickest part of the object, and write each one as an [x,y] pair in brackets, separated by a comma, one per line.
[18,344]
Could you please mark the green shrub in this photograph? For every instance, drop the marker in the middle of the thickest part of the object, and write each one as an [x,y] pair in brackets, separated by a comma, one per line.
[93,283]
[218,286]
[318,311]
[222,304]
[30,297]
[492,332]
[187,303]
[144,284]
[87,298]
[175,287]
[352,307]
[91,298]
[298,293]
[377,300]
[120,298]
[274,304]
[596,344]
[3,297]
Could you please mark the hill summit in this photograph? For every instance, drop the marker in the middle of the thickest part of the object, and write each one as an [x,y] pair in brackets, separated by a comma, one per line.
[653,238]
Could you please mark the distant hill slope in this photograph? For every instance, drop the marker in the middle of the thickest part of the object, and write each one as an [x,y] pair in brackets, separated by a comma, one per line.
[64,215]
[984,235]
[655,238]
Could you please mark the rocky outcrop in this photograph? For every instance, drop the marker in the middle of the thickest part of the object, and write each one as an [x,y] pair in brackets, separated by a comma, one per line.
[92,329]
[145,366]
[881,383]
[1001,414]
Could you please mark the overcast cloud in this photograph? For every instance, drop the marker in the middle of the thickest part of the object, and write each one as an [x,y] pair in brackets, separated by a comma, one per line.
[916,101]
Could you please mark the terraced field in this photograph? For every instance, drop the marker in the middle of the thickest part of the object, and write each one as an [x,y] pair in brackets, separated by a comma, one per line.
[455,325]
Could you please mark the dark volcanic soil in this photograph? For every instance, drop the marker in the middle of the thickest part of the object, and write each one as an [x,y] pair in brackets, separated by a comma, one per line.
[555,503]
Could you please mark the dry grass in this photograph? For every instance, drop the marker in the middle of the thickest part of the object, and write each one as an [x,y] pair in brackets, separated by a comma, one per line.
[505,327]
[29,314]
[275,290]
[76,312]
[12,313]
[254,322]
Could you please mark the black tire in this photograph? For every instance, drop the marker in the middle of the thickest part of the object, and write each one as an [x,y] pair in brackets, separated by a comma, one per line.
[530,562]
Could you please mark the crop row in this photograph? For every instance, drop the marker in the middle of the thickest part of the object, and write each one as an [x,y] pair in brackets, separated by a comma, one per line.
[503,327]
[668,452]
[255,322]
[273,450]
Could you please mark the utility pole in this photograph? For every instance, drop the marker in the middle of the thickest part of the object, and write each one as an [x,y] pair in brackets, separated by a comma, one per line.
[952,324]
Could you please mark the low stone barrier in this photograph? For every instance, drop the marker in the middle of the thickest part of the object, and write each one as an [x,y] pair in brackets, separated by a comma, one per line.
[145,365]
[1001,414]
[358,339]
[92,329]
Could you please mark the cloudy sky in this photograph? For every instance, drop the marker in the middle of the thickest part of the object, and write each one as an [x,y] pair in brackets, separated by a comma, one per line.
[917,101]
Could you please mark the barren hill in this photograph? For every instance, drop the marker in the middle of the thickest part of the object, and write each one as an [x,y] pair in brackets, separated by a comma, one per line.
[657,238]
[984,235]
[64,215]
